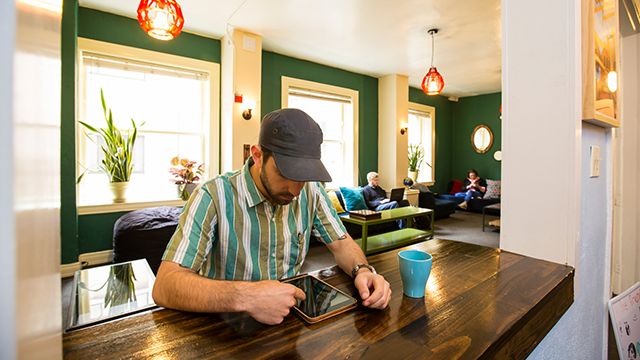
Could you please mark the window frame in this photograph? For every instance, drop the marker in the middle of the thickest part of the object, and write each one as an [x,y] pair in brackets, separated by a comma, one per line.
[289,82]
[432,113]
[212,128]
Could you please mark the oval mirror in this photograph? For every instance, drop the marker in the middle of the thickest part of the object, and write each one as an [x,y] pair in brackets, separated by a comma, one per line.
[481,139]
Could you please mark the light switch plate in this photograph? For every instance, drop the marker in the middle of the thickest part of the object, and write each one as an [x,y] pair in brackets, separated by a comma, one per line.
[594,161]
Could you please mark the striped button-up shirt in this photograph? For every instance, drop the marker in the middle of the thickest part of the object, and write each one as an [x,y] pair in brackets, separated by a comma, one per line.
[229,231]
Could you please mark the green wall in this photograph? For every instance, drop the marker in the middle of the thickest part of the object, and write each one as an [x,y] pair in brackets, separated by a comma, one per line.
[99,25]
[274,66]
[467,114]
[444,134]
[87,233]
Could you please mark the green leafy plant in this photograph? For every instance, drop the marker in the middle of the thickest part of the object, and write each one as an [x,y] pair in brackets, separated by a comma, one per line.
[416,156]
[117,148]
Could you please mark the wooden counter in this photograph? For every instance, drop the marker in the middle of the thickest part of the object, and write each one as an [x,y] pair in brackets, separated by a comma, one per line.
[480,303]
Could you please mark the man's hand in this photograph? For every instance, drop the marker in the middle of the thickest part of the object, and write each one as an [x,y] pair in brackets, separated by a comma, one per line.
[383,201]
[374,290]
[269,301]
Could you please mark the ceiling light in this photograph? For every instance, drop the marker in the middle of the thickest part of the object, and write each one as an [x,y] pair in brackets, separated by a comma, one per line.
[433,83]
[161,19]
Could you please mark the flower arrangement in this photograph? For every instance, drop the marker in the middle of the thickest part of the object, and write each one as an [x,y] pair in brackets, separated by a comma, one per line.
[186,171]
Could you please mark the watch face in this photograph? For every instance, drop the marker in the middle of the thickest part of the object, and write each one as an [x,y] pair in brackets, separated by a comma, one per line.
[357,268]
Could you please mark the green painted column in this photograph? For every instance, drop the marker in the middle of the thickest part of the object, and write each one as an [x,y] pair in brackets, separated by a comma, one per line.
[68,213]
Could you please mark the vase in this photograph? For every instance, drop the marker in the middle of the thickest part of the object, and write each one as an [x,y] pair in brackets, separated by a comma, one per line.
[413,175]
[119,191]
[185,190]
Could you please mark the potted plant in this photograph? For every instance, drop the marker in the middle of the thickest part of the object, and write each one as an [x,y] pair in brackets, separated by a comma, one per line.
[416,156]
[117,149]
[186,174]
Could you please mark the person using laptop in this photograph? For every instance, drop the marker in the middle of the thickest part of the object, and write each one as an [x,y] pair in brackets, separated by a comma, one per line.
[376,197]
[242,231]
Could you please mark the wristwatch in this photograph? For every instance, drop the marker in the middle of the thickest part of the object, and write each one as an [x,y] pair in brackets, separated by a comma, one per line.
[357,268]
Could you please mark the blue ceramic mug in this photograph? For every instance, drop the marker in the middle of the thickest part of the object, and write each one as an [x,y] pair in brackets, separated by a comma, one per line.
[415,267]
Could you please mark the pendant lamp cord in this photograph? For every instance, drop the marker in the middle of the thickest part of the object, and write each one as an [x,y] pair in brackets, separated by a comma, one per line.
[432,47]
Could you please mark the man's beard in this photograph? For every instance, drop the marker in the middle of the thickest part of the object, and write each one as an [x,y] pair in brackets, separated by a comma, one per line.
[281,198]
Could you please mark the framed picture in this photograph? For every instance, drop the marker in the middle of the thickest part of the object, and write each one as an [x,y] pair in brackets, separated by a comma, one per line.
[600,62]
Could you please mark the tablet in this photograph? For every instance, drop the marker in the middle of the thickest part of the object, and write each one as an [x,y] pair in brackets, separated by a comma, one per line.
[323,300]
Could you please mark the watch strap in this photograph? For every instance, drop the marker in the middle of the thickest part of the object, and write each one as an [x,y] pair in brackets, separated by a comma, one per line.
[357,268]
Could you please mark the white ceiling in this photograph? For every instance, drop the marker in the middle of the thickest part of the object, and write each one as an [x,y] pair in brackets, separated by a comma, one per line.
[373,37]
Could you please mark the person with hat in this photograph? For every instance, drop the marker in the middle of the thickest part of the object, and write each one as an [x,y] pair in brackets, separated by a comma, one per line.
[242,231]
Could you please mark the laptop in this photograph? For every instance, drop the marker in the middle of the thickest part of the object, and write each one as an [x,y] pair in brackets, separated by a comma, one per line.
[396,194]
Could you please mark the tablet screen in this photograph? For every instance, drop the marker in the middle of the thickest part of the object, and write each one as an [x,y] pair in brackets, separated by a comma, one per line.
[321,297]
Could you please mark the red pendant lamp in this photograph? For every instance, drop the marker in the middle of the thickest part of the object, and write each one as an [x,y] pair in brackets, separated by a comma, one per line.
[161,19]
[433,83]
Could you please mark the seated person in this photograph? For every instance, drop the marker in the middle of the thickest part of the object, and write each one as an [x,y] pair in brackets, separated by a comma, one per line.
[375,196]
[474,187]
[229,249]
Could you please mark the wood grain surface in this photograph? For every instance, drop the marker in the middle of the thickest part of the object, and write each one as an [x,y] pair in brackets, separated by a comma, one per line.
[479,303]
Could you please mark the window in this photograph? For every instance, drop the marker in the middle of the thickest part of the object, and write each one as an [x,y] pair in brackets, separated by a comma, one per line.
[335,109]
[422,132]
[170,99]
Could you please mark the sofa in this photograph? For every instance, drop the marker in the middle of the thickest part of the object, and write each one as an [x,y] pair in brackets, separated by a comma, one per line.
[355,230]
[473,205]
[441,207]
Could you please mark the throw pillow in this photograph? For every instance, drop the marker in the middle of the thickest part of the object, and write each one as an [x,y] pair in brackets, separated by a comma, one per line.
[493,189]
[335,202]
[353,198]
[456,186]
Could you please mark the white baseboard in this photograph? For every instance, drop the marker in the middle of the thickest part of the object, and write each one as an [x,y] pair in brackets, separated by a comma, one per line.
[86,259]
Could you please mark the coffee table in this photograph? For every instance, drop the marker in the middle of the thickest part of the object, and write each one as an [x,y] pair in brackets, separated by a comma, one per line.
[396,238]
[493,209]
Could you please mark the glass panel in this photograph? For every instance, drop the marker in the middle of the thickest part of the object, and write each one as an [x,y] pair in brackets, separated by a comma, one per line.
[110,291]
[168,126]
[131,93]
[421,133]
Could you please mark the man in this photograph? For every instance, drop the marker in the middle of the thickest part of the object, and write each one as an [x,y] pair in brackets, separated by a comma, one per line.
[376,197]
[242,231]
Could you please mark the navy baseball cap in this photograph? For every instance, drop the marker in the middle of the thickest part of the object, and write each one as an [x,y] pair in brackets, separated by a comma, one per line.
[294,138]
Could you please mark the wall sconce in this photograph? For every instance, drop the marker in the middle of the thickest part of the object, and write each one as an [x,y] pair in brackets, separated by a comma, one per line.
[404,127]
[246,114]
[247,106]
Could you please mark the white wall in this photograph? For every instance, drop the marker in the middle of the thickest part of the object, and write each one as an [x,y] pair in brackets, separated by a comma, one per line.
[565,218]
[241,74]
[7,255]
[34,132]
[582,331]
[393,111]
[625,245]
[541,128]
